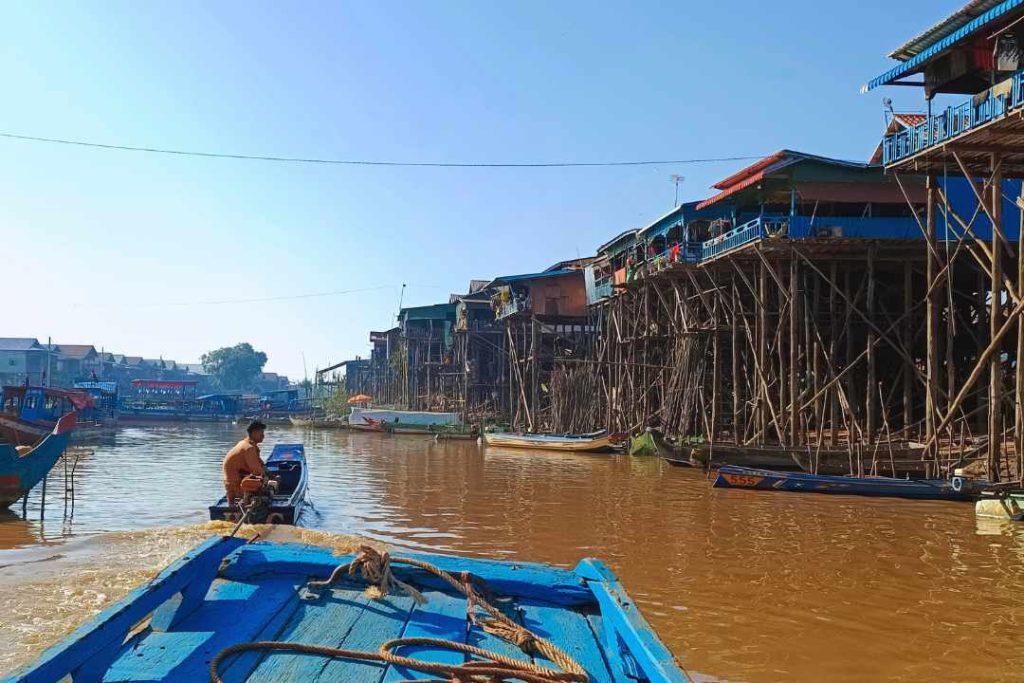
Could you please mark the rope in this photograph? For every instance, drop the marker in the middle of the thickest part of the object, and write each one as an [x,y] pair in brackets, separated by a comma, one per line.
[375,568]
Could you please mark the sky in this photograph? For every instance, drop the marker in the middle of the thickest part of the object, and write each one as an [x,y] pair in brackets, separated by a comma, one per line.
[172,256]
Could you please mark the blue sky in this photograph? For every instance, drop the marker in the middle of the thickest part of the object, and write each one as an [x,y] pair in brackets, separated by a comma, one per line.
[120,249]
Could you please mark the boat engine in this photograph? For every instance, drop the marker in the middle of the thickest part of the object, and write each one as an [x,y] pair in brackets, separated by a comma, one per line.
[257,496]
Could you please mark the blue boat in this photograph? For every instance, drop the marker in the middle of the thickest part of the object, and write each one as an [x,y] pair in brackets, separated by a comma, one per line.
[234,610]
[286,464]
[732,476]
[22,467]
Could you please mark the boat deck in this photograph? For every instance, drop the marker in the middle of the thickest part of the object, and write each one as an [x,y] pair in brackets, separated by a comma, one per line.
[259,592]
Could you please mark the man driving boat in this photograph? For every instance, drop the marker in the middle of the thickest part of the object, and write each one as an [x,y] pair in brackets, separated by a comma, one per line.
[242,460]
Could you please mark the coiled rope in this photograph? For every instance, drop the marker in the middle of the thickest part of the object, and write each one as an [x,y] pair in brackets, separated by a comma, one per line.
[375,568]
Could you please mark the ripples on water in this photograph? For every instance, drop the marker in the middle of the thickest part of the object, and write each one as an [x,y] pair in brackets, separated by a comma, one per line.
[740,585]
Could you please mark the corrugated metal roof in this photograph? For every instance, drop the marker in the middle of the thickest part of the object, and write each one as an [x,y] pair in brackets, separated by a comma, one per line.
[79,351]
[756,172]
[625,235]
[920,42]
[506,279]
[18,344]
[943,40]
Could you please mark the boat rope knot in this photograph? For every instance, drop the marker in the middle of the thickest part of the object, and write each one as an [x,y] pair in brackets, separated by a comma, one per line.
[481,666]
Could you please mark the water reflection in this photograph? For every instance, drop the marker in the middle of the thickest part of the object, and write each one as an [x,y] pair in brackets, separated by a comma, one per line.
[741,585]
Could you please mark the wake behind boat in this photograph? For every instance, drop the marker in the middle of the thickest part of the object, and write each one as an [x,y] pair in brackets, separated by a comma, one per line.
[283,502]
[731,476]
[579,443]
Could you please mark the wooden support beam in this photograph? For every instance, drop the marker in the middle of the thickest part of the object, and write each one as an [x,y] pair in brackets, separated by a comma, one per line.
[995,395]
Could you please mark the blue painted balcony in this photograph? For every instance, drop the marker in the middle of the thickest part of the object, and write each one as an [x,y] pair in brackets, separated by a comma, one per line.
[742,235]
[956,120]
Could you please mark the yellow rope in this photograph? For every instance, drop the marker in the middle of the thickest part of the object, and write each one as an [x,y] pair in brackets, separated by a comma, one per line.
[491,667]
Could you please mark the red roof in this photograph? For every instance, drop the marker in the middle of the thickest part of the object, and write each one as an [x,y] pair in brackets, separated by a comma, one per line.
[745,174]
[911,120]
[163,383]
[741,185]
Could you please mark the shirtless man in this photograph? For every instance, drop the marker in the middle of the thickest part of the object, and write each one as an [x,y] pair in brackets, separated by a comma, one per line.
[242,460]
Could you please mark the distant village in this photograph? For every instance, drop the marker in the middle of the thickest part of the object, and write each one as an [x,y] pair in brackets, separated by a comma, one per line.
[27,361]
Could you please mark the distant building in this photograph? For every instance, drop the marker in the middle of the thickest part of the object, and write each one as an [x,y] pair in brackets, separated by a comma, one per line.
[76,363]
[24,360]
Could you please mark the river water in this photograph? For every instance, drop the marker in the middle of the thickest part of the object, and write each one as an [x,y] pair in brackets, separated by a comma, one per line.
[741,586]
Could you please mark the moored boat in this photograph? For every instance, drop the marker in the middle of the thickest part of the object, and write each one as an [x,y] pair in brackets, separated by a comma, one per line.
[287,466]
[579,443]
[22,468]
[242,610]
[731,476]
[30,413]
[902,460]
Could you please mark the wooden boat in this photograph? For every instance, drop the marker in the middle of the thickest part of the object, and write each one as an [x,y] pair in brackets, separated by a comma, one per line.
[730,476]
[31,413]
[316,422]
[199,620]
[904,461]
[589,443]
[287,463]
[22,468]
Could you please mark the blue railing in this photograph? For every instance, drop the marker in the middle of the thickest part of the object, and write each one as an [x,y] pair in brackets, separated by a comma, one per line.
[751,231]
[954,121]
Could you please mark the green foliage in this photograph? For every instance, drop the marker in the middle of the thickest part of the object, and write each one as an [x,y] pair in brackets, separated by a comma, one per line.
[235,367]
[336,405]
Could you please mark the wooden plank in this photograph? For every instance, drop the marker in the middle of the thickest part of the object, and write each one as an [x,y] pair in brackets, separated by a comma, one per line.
[380,621]
[233,613]
[443,616]
[570,631]
[97,642]
[330,620]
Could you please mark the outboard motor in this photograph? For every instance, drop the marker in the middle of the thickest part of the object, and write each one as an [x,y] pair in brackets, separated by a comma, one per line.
[257,496]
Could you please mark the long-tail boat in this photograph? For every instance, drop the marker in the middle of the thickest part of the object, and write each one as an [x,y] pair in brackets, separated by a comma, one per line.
[287,466]
[731,476]
[236,610]
[21,468]
[897,459]
[580,443]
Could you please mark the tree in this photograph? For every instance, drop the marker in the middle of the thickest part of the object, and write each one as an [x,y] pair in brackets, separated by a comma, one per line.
[235,367]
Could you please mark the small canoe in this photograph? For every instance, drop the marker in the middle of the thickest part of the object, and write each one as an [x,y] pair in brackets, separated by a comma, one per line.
[200,619]
[582,443]
[22,468]
[287,463]
[731,476]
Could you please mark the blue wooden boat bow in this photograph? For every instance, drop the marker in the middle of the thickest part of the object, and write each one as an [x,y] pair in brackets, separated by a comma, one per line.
[227,593]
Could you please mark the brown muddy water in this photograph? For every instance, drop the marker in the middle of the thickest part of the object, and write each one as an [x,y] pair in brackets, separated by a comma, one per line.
[741,586]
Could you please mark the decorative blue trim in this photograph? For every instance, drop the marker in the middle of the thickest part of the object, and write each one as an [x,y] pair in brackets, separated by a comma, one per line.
[943,44]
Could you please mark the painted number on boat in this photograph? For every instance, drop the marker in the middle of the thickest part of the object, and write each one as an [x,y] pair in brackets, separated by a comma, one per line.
[742,480]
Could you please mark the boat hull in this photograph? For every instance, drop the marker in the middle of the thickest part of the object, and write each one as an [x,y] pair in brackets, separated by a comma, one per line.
[730,476]
[229,591]
[905,462]
[19,473]
[539,442]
